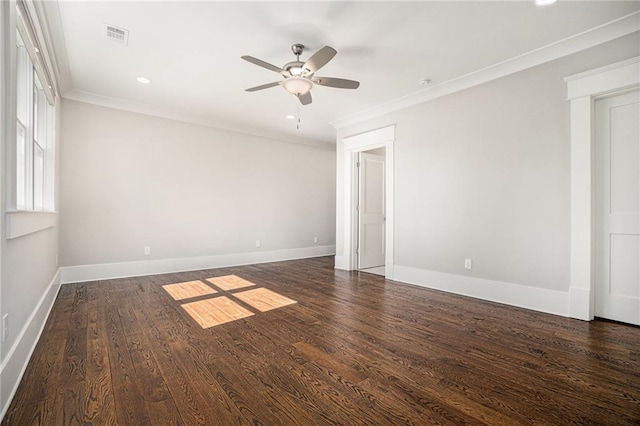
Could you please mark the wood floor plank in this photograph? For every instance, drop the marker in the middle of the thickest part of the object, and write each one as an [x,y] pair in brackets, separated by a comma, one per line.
[99,407]
[160,404]
[128,394]
[198,400]
[70,399]
[355,349]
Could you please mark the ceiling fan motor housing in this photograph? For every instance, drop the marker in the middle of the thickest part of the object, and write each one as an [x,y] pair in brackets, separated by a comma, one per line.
[297,49]
[296,68]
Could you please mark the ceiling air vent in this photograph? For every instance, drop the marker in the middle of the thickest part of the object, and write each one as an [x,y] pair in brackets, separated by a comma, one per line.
[119,35]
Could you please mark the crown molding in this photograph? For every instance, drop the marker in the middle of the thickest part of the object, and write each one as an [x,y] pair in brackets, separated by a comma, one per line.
[601,34]
[104,101]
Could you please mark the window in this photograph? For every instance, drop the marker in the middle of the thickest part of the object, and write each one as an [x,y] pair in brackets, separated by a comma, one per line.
[22,112]
[34,137]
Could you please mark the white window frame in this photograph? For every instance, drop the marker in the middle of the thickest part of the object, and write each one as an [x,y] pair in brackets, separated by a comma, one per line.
[23,78]
[40,135]
[39,131]
[19,220]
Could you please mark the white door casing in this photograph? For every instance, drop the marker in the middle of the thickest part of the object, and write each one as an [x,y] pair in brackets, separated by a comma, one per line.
[583,89]
[347,193]
[371,210]
[617,208]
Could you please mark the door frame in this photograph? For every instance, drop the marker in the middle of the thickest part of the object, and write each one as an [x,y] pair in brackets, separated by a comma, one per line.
[352,145]
[583,90]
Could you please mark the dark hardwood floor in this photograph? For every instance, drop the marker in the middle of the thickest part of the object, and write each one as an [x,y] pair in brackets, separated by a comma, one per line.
[355,349]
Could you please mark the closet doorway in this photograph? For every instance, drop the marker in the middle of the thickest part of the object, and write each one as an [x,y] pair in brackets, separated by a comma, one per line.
[371,211]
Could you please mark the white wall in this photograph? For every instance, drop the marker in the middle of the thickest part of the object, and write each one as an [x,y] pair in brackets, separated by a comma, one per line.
[4,118]
[485,174]
[186,191]
[29,280]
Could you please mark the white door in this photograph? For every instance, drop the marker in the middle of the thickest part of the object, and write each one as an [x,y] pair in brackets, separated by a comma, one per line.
[617,209]
[371,214]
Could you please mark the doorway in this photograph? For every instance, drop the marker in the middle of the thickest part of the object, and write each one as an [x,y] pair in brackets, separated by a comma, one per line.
[371,211]
[349,148]
[617,207]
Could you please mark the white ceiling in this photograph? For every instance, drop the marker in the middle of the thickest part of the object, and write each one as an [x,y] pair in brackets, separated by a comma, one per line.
[191,52]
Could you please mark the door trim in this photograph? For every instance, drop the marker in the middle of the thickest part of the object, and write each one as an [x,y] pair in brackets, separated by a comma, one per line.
[583,89]
[379,138]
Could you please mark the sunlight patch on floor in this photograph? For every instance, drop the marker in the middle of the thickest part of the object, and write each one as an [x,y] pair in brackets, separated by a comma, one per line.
[188,290]
[263,299]
[226,304]
[230,282]
[215,311]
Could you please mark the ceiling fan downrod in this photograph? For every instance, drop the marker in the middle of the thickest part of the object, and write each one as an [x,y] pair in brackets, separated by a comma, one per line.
[297,50]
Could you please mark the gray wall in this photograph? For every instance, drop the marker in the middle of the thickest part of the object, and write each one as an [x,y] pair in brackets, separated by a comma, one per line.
[131,180]
[485,174]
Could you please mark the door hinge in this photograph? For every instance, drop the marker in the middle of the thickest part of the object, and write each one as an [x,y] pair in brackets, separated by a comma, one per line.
[358,164]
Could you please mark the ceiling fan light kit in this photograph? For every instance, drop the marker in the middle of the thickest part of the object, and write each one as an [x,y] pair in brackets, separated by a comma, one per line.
[299,76]
[297,85]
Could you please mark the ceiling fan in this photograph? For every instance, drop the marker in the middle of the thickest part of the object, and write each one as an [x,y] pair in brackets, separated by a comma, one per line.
[299,77]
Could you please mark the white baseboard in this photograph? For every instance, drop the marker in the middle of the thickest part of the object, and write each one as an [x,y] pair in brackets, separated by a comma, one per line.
[580,305]
[537,299]
[342,262]
[15,363]
[104,271]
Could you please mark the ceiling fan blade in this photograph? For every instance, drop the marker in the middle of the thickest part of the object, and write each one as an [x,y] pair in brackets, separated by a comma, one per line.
[305,99]
[340,83]
[264,86]
[262,63]
[320,58]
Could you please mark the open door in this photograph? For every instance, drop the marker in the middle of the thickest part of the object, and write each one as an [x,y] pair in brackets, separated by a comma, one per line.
[371,210]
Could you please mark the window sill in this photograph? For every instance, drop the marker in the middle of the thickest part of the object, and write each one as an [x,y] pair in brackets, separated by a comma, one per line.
[21,223]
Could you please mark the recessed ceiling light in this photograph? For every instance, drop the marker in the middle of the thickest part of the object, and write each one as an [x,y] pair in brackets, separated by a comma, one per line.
[290,117]
[424,81]
[545,2]
[143,80]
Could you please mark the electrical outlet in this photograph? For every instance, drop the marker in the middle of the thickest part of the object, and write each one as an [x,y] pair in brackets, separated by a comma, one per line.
[5,327]
[258,244]
[315,240]
[468,264]
[147,250]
